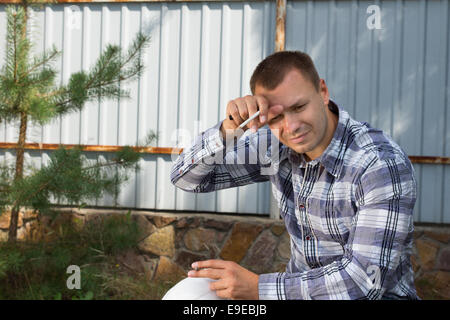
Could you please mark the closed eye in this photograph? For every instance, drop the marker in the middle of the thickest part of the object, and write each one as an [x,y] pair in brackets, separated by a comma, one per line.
[275,119]
[298,108]
[292,109]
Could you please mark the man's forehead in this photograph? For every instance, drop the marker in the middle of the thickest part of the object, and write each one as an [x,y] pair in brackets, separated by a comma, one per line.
[286,100]
[292,89]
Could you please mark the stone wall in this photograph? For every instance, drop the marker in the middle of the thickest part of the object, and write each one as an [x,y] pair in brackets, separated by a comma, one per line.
[172,241]
[431,261]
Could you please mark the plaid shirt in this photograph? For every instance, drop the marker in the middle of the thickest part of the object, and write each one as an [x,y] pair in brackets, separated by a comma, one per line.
[349,212]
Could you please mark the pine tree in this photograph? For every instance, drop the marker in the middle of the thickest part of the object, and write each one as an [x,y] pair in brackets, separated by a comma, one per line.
[28,93]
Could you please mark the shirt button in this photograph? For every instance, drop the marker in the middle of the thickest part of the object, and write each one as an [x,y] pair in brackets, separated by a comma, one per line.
[301,206]
[308,238]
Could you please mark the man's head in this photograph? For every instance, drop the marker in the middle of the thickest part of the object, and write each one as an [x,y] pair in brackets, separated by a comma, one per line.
[271,71]
[290,79]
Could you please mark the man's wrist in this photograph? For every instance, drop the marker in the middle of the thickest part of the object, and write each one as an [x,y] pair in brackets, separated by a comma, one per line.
[227,126]
[229,132]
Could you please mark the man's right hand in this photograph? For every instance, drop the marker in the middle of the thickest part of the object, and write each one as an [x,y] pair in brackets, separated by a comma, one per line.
[243,108]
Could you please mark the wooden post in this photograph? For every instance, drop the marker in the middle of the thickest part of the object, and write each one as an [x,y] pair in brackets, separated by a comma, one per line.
[280,40]
[280,28]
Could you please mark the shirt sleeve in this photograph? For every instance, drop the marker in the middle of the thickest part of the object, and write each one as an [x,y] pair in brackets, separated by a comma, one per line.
[375,252]
[209,165]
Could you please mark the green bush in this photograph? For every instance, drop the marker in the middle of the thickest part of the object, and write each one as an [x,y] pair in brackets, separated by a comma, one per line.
[38,270]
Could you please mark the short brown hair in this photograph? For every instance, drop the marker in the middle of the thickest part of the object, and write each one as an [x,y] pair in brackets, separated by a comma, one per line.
[271,71]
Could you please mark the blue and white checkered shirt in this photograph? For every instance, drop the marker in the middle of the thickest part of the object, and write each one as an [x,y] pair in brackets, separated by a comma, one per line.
[349,212]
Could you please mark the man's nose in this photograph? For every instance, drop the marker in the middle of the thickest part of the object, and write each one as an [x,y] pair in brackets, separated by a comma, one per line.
[291,124]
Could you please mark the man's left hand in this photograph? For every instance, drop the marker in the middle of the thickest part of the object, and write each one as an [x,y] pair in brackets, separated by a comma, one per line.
[233,281]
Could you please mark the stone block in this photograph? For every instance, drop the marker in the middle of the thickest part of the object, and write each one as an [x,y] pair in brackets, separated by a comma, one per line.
[168,270]
[279,267]
[150,266]
[433,285]
[140,264]
[24,233]
[161,242]
[438,236]
[442,281]
[284,246]
[213,251]
[241,238]
[426,250]
[186,258]
[195,222]
[217,224]
[28,214]
[417,234]
[163,221]
[261,253]
[145,226]
[5,220]
[444,260]
[278,229]
[3,236]
[199,239]
[415,264]
[182,223]
[24,214]
[132,261]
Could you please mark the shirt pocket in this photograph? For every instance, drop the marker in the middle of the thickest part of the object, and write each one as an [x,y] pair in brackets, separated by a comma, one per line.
[332,217]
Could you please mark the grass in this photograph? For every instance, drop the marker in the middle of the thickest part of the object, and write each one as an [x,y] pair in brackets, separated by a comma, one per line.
[31,270]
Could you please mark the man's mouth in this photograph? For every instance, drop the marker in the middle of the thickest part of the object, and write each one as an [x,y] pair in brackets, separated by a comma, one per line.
[299,138]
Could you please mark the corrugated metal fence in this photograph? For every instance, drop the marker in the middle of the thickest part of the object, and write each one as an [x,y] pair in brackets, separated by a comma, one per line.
[202,55]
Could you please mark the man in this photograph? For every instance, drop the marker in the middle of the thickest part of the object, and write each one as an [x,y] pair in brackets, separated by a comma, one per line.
[345,190]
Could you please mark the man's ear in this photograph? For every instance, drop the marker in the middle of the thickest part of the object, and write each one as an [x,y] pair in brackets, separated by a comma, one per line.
[323,90]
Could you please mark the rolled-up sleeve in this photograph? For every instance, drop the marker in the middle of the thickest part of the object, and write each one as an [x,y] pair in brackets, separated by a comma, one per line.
[376,246]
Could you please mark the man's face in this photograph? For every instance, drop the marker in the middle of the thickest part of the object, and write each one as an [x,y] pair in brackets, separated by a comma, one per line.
[305,124]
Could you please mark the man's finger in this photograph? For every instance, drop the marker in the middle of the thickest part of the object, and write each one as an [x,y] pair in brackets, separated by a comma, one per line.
[212,263]
[206,273]
[252,108]
[242,107]
[224,294]
[234,112]
[263,106]
[218,285]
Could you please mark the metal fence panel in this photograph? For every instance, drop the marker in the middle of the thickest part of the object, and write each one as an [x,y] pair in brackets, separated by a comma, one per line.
[201,56]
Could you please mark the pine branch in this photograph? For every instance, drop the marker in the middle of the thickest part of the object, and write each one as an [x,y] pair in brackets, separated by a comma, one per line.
[62,166]
[46,58]
[109,53]
[108,56]
[17,41]
[107,73]
[42,187]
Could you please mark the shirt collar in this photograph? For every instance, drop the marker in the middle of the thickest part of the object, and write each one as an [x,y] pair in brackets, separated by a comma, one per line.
[332,159]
